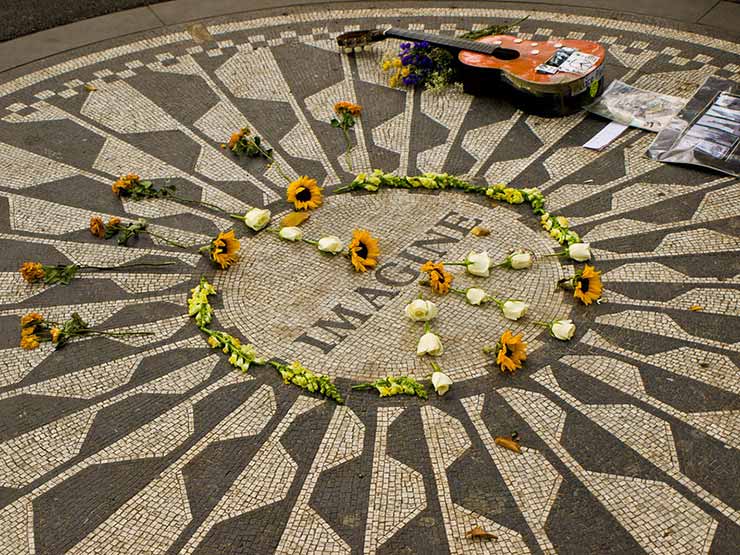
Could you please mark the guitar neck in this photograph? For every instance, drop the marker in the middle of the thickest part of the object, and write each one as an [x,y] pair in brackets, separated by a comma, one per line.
[441,40]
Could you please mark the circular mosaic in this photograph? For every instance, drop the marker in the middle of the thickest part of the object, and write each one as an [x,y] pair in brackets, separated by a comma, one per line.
[302,305]
[628,433]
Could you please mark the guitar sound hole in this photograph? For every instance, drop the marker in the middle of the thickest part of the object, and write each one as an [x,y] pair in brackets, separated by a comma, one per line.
[505,54]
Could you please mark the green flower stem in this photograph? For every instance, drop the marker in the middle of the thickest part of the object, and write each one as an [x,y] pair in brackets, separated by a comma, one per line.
[436,367]
[163,238]
[201,202]
[122,266]
[460,291]
[463,263]
[543,324]
[349,147]
[273,162]
[345,189]
[363,386]
[120,333]
[311,242]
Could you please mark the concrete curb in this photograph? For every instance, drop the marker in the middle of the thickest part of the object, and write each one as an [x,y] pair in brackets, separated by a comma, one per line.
[37,46]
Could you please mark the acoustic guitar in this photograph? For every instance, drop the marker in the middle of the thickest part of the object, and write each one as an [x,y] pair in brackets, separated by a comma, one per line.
[549,78]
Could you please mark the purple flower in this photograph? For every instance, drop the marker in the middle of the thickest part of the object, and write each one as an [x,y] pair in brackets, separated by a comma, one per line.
[422,44]
[405,45]
[411,79]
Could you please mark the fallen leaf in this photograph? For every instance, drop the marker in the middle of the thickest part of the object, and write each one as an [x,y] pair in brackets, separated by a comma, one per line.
[199,33]
[478,532]
[480,231]
[91,88]
[507,443]
[696,308]
[294,219]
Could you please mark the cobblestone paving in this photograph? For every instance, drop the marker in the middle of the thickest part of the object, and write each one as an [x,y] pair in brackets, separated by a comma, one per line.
[156,446]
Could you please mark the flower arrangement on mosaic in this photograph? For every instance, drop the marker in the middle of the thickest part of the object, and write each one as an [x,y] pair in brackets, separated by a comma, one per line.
[243,142]
[394,385]
[363,250]
[586,285]
[512,309]
[125,231]
[560,329]
[510,351]
[557,226]
[35,272]
[36,329]
[420,63]
[131,186]
[223,250]
[242,356]
[346,113]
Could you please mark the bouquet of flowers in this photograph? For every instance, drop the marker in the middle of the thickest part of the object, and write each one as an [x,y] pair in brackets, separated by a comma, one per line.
[421,64]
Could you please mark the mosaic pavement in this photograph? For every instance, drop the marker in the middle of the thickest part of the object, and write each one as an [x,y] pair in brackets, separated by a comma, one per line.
[630,433]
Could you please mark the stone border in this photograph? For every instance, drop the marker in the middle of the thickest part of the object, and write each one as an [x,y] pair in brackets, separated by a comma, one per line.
[21,51]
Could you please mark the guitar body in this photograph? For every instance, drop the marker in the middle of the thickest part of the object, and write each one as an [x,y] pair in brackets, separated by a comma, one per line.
[550,78]
[546,94]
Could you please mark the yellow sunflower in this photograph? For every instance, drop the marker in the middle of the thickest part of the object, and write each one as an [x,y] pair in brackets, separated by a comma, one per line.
[511,352]
[236,137]
[305,193]
[224,249]
[97,227]
[588,286]
[55,333]
[364,250]
[32,271]
[349,107]
[31,319]
[440,279]
[29,342]
[124,183]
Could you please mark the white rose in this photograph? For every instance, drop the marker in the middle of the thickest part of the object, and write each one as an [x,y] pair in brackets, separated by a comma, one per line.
[475,295]
[291,233]
[330,244]
[478,263]
[580,251]
[257,218]
[513,310]
[563,329]
[421,310]
[441,382]
[429,344]
[521,259]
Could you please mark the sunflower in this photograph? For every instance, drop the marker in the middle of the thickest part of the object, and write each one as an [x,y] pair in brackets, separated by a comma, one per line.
[224,248]
[236,137]
[32,271]
[348,107]
[97,227]
[124,183]
[511,352]
[587,285]
[31,319]
[440,280]
[55,333]
[364,250]
[304,193]
[29,342]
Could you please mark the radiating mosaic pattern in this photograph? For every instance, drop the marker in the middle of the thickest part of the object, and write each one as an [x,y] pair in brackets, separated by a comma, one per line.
[154,445]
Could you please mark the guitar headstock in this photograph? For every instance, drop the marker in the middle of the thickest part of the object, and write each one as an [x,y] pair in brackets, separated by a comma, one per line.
[356,40]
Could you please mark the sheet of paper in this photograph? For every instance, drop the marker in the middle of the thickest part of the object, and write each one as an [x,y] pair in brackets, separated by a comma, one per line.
[606,136]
